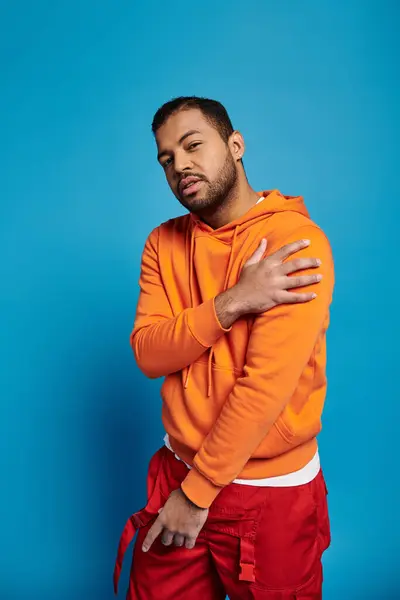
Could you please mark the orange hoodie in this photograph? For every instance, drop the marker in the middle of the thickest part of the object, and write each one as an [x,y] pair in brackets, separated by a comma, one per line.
[244,402]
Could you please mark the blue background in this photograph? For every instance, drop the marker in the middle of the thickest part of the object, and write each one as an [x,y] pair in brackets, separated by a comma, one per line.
[313,88]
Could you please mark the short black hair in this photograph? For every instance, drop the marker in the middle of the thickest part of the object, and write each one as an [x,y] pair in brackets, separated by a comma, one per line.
[212,110]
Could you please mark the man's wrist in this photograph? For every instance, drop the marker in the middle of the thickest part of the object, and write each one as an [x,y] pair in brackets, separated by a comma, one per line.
[229,307]
[200,490]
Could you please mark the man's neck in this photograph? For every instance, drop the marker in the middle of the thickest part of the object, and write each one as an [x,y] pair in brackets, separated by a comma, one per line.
[241,202]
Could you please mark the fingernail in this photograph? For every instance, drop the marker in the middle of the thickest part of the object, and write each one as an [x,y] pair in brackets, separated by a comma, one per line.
[314,296]
[306,242]
[319,277]
[318,261]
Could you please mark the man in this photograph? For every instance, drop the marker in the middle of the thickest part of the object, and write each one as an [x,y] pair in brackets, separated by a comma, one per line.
[236,497]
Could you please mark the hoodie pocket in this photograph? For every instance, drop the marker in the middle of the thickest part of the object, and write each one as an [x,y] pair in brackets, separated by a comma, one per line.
[297,433]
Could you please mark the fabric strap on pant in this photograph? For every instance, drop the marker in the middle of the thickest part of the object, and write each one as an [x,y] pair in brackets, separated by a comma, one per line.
[247,559]
[139,519]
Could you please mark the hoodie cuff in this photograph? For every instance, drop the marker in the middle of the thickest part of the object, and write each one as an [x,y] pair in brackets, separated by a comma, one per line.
[200,490]
[204,324]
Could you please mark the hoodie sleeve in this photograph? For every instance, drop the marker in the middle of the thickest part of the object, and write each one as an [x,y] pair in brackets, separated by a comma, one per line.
[163,344]
[280,345]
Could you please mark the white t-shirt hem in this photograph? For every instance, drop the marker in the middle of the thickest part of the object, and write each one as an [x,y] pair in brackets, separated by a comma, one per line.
[300,477]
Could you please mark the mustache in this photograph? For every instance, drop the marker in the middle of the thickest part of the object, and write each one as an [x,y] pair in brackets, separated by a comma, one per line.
[197,175]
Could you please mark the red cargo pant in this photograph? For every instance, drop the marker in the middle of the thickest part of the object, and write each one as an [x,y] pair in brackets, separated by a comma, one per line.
[259,543]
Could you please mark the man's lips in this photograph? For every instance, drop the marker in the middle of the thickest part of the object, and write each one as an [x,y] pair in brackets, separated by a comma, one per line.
[192,188]
[189,185]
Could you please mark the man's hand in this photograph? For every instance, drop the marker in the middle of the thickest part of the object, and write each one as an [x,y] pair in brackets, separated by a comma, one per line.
[180,522]
[264,283]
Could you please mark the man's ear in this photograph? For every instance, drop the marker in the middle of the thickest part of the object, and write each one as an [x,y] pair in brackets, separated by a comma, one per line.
[237,145]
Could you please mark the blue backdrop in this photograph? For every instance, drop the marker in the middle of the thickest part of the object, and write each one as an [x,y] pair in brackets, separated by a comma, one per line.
[312,86]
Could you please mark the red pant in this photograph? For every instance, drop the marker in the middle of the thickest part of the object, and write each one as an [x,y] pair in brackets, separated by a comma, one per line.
[260,543]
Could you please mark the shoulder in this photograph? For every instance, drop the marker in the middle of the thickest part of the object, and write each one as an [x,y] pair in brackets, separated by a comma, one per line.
[176,225]
[290,226]
[168,232]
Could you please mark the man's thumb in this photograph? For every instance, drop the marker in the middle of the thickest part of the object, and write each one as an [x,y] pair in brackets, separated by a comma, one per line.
[258,254]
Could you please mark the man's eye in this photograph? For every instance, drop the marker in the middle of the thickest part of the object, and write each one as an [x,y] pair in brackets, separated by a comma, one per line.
[194,145]
[167,162]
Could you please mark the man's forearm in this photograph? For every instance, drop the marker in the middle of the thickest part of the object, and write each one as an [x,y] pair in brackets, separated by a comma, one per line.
[169,345]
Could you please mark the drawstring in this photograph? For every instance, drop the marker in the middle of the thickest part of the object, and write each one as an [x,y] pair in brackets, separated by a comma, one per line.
[191,259]
[228,272]
[209,372]
[188,370]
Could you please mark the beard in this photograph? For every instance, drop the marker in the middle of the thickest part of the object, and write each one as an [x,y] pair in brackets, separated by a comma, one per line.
[216,193]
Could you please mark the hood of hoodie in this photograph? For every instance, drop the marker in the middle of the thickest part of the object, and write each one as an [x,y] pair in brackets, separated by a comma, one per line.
[271,202]
[216,256]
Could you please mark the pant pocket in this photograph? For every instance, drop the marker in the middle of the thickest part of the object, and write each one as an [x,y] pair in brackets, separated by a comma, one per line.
[286,543]
[271,550]
[230,530]
[311,590]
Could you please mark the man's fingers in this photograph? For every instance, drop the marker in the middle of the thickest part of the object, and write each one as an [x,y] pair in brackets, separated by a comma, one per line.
[258,254]
[190,542]
[293,297]
[167,537]
[152,534]
[289,249]
[179,540]
[299,264]
[296,282]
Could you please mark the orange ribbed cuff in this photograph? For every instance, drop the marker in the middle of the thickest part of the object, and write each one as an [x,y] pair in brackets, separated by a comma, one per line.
[204,324]
[200,490]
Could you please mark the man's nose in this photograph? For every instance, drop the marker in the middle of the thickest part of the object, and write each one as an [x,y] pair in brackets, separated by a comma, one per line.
[182,163]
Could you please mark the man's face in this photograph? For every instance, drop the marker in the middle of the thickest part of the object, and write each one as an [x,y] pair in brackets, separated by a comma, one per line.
[198,164]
